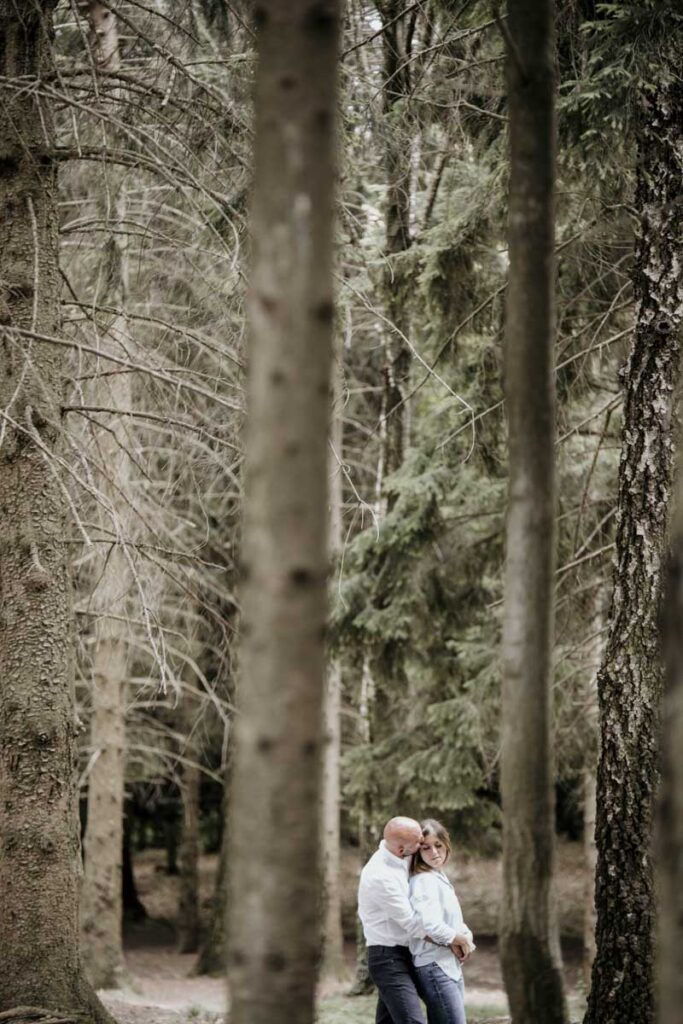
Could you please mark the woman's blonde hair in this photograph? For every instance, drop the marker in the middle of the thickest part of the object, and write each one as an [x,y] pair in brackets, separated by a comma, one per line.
[430,827]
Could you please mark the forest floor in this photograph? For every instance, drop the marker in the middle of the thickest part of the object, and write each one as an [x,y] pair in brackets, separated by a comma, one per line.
[160,987]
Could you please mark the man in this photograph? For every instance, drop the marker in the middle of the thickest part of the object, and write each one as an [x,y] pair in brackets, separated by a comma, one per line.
[389,922]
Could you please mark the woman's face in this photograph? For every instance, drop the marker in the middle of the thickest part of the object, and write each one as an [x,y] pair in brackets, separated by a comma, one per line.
[433,852]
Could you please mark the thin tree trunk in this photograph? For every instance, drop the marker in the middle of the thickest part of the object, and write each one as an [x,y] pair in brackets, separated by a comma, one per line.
[394,419]
[592,729]
[589,847]
[102,898]
[40,859]
[188,854]
[630,679]
[170,827]
[333,939]
[396,49]
[530,950]
[212,957]
[367,829]
[133,908]
[275,801]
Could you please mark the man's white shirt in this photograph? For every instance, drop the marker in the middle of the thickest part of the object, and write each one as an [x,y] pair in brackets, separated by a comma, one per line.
[383,904]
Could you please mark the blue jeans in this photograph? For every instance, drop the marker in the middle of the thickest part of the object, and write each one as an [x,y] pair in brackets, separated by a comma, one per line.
[391,968]
[444,997]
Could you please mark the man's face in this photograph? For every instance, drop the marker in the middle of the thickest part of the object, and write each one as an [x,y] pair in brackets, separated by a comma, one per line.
[411,842]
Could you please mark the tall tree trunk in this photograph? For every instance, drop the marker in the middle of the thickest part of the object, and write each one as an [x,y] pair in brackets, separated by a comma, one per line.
[188,855]
[396,50]
[630,679]
[368,832]
[589,847]
[670,823]
[592,730]
[275,801]
[212,956]
[529,938]
[333,939]
[133,908]
[102,899]
[40,853]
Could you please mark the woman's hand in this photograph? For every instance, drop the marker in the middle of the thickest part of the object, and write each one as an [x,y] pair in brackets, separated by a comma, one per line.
[462,947]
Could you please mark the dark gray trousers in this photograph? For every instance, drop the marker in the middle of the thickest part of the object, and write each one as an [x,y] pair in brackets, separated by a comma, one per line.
[391,968]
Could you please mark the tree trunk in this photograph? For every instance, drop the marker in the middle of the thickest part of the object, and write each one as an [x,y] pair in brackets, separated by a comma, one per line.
[188,855]
[40,854]
[212,957]
[670,823]
[276,792]
[592,730]
[589,847]
[133,908]
[333,939]
[630,679]
[102,899]
[530,950]
[367,830]
[396,50]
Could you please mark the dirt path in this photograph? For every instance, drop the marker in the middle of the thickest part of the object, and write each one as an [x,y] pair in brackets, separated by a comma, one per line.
[161,978]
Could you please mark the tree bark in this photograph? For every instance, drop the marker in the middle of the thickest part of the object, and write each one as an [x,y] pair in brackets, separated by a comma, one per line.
[630,678]
[530,950]
[592,740]
[40,853]
[276,791]
[589,847]
[394,419]
[333,939]
[102,890]
[212,957]
[396,50]
[133,908]
[188,854]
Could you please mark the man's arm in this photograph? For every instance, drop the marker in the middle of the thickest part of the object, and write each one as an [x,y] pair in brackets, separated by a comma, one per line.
[425,900]
[399,909]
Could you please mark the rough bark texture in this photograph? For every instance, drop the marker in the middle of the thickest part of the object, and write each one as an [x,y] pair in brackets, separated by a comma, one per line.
[274,904]
[39,830]
[102,889]
[630,678]
[529,938]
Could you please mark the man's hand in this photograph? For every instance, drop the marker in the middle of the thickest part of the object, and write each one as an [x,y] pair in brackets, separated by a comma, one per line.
[462,947]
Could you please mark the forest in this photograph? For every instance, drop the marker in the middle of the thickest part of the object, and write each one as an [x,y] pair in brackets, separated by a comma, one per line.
[341,511]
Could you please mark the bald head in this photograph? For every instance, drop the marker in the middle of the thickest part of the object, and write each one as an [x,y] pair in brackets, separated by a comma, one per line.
[402,836]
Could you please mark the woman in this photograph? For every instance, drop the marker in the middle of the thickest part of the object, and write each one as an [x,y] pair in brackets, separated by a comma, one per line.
[433,897]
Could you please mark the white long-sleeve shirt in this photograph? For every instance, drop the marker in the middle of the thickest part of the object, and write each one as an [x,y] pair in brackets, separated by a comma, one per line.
[383,904]
[436,904]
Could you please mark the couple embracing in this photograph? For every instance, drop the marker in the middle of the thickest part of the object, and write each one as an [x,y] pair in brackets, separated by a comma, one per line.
[416,937]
